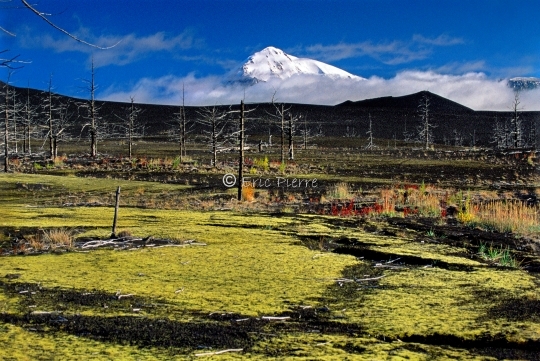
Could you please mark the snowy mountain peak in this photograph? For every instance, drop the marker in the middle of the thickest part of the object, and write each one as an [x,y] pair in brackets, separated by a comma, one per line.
[272,63]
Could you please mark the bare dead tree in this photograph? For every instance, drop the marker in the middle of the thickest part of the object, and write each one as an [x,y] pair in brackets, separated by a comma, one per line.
[425,130]
[59,115]
[16,115]
[217,122]
[458,138]
[498,136]
[350,131]
[287,128]
[6,112]
[92,113]
[278,118]
[370,144]
[240,135]
[407,134]
[320,132]
[281,114]
[532,134]
[132,125]
[291,130]
[241,138]
[516,122]
[182,127]
[29,119]
[66,116]
[49,110]
[129,127]
[305,132]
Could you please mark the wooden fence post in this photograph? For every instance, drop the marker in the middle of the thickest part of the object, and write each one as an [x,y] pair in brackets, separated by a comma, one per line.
[116,206]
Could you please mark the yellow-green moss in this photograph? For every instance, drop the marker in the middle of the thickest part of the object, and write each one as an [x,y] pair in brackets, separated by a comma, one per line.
[256,269]
[254,264]
[19,344]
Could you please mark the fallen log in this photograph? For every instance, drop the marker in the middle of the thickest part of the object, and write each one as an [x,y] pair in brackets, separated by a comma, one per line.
[219,352]
[272,318]
[347,280]
[125,296]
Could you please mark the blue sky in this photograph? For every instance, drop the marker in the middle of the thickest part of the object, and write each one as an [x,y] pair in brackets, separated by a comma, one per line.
[458,49]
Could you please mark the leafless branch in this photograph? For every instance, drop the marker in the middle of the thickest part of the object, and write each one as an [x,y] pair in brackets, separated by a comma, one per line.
[6,63]
[7,32]
[44,17]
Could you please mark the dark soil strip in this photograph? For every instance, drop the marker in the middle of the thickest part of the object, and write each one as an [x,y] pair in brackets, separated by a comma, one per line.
[141,331]
[514,309]
[461,236]
[372,255]
[230,330]
[34,294]
[526,251]
[495,346]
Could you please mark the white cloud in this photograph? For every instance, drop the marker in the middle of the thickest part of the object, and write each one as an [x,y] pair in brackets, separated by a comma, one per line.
[129,47]
[441,40]
[391,53]
[474,90]
[461,68]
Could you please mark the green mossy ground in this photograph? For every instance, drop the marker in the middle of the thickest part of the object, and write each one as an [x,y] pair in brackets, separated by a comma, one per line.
[449,305]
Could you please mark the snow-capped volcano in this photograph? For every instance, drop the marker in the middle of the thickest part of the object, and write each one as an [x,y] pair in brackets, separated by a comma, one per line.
[273,63]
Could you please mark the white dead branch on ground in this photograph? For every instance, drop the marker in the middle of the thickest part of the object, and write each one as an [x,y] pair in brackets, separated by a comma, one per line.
[219,352]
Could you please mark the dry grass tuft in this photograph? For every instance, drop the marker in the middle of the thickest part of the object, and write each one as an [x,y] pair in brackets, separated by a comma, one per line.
[59,161]
[51,239]
[36,242]
[59,238]
[425,200]
[340,191]
[124,233]
[508,216]
[248,192]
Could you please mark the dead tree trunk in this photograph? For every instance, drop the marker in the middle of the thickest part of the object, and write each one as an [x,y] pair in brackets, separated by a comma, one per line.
[116,207]
[49,106]
[241,152]
[516,122]
[14,118]
[130,129]
[55,147]
[93,114]
[6,132]
[26,129]
[370,144]
[183,148]
[291,134]
[6,125]
[282,134]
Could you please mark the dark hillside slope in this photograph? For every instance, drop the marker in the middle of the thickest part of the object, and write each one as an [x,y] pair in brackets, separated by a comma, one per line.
[409,102]
[391,117]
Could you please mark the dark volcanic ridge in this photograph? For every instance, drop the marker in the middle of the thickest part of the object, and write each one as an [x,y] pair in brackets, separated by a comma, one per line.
[392,118]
